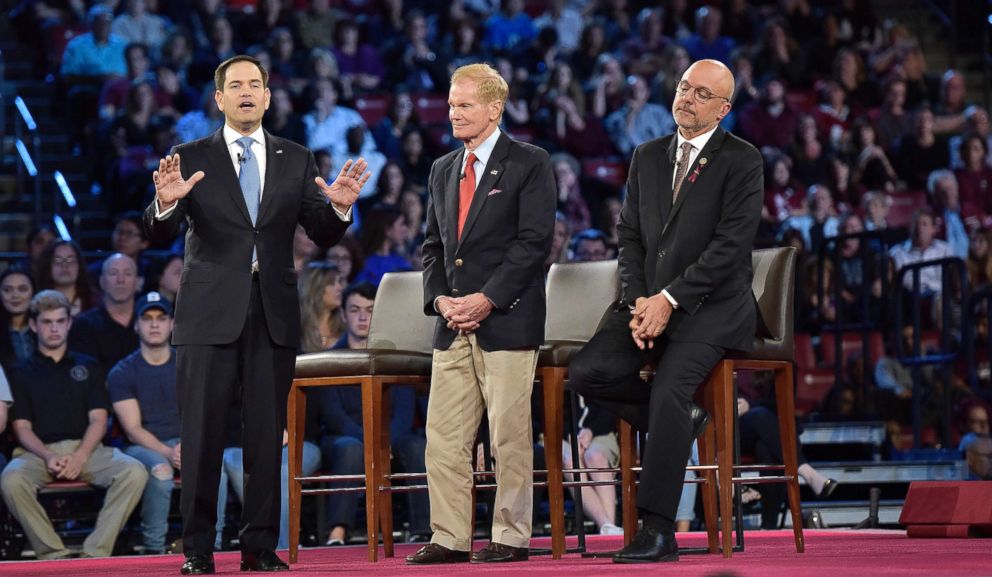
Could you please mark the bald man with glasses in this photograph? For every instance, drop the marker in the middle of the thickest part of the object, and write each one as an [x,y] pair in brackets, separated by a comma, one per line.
[686,232]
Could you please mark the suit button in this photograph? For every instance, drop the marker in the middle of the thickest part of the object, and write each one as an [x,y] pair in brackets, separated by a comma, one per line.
[661,254]
[256,232]
[454,291]
[459,262]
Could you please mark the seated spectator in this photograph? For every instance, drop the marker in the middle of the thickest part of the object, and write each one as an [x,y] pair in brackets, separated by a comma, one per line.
[559,242]
[975,176]
[168,282]
[567,21]
[384,239]
[114,94]
[978,453]
[953,103]
[943,189]
[5,401]
[812,163]
[391,128]
[38,240]
[359,143]
[59,418]
[922,246]
[875,206]
[136,24]
[870,164]
[590,245]
[142,389]
[286,66]
[607,84]
[894,379]
[571,203]
[859,275]
[95,54]
[414,159]
[510,29]
[977,122]
[597,449]
[849,73]
[219,48]
[412,205]
[921,152]
[412,61]
[282,120]
[893,122]
[784,195]
[16,339]
[769,121]
[516,111]
[832,113]
[638,120]
[644,50]
[359,63]
[313,24]
[321,288]
[328,123]
[61,268]
[979,261]
[347,256]
[708,42]
[106,332]
[340,414]
[197,124]
[127,238]
[821,220]
[778,54]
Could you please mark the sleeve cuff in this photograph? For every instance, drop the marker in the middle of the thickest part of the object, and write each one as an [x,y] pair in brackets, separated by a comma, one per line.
[670,298]
[163,214]
[345,216]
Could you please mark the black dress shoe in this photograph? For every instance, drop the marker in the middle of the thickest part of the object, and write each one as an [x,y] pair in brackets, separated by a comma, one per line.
[264,560]
[828,488]
[432,554]
[500,553]
[202,564]
[700,418]
[649,546]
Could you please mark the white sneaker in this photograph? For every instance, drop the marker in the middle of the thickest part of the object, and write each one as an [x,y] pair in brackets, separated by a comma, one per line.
[610,529]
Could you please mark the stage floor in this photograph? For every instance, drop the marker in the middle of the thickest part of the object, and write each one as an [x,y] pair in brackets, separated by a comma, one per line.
[829,553]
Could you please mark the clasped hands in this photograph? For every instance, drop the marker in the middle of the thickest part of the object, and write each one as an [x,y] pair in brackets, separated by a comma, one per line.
[465,313]
[648,319]
[67,467]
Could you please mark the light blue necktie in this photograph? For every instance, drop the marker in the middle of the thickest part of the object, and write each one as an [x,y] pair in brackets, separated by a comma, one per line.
[251,185]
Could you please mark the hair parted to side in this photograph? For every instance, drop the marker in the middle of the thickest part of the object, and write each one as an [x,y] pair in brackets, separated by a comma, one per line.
[491,86]
[49,300]
[220,75]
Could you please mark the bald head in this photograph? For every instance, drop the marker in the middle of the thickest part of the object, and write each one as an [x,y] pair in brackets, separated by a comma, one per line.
[702,97]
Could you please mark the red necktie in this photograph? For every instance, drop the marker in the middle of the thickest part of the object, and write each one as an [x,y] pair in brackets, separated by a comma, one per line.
[466,190]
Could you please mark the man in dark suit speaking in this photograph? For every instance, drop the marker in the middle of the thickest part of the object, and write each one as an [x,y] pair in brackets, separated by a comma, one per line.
[686,232]
[490,220]
[237,312]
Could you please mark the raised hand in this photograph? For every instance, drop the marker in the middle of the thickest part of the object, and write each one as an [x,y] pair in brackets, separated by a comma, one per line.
[343,192]
[169,183]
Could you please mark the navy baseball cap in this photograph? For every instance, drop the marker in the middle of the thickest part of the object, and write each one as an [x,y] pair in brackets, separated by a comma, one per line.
[153,300]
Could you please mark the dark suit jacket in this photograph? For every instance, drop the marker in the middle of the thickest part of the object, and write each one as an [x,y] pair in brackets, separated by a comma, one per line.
[216,281]
[700,247]
[506,238]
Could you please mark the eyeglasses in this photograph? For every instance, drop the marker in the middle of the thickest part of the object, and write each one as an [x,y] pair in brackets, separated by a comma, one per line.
[67,260]
[700,94]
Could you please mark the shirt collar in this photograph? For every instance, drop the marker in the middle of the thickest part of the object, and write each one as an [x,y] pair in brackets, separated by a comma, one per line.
[231,136]
[485,150]
[699,142]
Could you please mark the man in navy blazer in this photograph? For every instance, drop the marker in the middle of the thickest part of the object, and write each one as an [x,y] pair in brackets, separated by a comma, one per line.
[686,232]
[490,222]
[237,312]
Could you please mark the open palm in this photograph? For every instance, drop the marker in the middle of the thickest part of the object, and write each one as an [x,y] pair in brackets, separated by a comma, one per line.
[170,186]
[344,191]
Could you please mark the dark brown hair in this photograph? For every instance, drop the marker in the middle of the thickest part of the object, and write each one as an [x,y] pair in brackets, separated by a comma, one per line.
[220,75]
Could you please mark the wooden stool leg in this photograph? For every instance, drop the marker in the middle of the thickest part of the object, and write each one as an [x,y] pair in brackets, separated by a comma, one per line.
[385,466]
[628,481]
[725,405]
[787,427]
[707,456]
[553,383]
[297,409]
[371,410]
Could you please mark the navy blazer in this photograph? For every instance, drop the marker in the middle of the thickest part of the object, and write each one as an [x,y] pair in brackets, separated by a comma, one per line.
[505,241]
[216,281]
[699,249]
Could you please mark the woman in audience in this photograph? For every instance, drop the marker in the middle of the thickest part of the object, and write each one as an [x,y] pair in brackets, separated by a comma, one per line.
[389,131]
[62,268]
[975,177]
[979,260]
[384,243]
[871,166]
[321,286]
[359,62]
[16,338]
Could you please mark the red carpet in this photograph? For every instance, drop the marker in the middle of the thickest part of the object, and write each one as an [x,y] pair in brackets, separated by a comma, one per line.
[829,553]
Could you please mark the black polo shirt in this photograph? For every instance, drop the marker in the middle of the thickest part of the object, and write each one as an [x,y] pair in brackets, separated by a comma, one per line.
[57,397]
[96,334]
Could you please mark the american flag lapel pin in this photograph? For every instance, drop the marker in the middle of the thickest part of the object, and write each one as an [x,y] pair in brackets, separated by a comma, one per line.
[494,172]
[279,151]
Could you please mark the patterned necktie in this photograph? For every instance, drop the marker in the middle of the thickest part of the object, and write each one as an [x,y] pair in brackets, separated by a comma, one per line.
[466,190]
[683,167]
[251,185]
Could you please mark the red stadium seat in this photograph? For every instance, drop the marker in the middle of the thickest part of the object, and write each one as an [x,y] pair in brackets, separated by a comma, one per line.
[608,171]
[904,204]
[805,356]
[851,343]
[431,108]
[812,386]
[373,107]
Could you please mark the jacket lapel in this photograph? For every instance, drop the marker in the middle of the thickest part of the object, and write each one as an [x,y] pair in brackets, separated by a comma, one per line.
[666,168]
[220,157]
[451,198]
[706,153]
[273,167]
[490,176]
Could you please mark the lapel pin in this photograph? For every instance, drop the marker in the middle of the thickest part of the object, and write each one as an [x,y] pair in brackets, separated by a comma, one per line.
[279,151]
[703,160]
[494,172]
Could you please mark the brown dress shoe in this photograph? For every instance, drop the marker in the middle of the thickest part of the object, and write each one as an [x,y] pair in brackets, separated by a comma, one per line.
[432,554]
[500,553]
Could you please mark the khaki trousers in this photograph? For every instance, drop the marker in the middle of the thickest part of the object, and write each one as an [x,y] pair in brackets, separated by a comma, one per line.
[466,380]
[123,477]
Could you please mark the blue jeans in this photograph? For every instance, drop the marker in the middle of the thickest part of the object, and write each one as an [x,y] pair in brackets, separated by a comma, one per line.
[156,497]
[687,504]
[233,472]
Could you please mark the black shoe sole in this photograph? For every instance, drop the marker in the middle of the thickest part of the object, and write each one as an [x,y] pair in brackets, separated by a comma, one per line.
[634,560]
